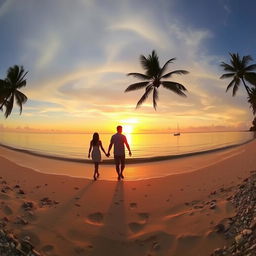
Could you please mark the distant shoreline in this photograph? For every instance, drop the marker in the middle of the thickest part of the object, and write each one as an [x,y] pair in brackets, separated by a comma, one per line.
[128,160]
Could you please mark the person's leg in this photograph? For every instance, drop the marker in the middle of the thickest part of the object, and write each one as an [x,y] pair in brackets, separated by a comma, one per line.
[117,163]
[95,171]
[122,166]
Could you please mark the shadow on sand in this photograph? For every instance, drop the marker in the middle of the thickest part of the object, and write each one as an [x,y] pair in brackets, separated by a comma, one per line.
[114,226]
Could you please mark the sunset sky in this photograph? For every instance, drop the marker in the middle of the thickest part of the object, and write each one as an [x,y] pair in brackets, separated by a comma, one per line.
[79,52]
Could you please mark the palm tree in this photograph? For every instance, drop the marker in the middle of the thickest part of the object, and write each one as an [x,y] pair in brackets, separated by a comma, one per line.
[9,89]
[152,79]
[252,99]
[239,70]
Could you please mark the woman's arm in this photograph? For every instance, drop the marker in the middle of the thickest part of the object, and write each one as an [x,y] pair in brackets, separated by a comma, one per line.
[90,149]
[102,148]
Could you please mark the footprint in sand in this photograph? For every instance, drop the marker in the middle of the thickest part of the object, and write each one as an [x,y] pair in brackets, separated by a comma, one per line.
[4,196]
[7,210]
[136,227]
[133,205]
[143,216]
[47,248]
[79,250]
[188,240]
[95,218]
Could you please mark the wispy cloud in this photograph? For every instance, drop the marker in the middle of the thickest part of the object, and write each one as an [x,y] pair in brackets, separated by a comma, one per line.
[5,7]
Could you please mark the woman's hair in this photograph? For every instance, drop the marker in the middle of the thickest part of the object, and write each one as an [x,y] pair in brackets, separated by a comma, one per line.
[95,139]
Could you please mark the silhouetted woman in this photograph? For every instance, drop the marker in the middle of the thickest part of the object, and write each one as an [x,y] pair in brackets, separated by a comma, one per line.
[95,146]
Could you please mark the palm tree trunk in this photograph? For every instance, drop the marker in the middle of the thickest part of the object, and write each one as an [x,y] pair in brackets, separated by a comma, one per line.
[246,87]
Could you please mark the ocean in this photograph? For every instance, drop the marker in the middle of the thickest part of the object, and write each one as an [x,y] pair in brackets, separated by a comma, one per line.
[146,146]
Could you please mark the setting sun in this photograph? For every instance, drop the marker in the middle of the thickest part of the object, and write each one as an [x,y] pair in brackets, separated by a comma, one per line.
[127,128]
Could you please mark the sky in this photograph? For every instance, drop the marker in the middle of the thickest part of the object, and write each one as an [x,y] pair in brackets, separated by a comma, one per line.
[77,54]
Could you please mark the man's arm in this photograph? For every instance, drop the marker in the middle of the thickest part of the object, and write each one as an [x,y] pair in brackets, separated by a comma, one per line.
[109,148]
[127,146]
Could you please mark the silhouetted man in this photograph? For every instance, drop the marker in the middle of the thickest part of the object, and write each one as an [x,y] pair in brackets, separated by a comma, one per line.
[119,140]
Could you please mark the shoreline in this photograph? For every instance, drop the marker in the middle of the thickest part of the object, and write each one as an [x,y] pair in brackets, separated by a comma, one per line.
[133,172]
[128,161]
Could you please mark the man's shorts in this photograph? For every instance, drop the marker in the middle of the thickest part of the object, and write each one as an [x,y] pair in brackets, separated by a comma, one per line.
[119,159]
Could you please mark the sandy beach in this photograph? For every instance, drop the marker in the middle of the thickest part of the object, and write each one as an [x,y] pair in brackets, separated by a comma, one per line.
[173,212]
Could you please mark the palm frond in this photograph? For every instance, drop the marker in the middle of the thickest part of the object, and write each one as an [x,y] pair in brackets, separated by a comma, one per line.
[250,77]
[175,87]
[235,87]
[9,106]
[3,90]
[246,59]
[21,82]
[139,76]
[144,62]
[252,99]
[227,75]
[20,99]
[230,84]
[144,96]
[150,64]
[235,60]
[155,97]
[250,67]
[13,74]
[3,84]
[227,67]
[178,72]
[166,65]
[136,86]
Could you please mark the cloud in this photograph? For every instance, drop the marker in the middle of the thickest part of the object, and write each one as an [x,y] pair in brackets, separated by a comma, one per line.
[5,7]
[142,28]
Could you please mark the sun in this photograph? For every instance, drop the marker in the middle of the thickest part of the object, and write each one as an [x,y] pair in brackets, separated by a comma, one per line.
[127,128]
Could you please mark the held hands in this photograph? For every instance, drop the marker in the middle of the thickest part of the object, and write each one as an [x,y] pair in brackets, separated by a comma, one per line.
[107,155]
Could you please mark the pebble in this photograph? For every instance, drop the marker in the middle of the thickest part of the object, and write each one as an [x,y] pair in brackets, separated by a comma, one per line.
[10,245]
[241,228]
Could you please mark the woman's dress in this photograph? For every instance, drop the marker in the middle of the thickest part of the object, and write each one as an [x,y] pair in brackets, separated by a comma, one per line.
[96,155]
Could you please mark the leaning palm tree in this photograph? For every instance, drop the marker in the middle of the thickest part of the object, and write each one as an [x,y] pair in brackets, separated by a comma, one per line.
[153,78]
[9,89]
[239,70]
[252,99]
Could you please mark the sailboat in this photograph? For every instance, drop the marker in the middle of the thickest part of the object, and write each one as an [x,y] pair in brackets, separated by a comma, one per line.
[178,131]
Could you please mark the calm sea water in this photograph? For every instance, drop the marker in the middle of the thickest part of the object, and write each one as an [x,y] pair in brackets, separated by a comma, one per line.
[142,145]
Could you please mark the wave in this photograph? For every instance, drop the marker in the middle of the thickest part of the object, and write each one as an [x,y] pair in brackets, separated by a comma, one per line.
[128,160]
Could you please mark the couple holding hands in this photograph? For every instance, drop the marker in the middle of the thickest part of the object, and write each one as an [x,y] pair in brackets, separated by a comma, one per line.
[118,140]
